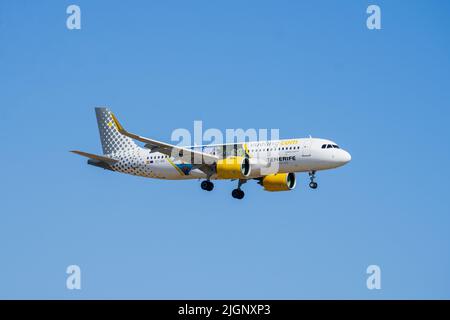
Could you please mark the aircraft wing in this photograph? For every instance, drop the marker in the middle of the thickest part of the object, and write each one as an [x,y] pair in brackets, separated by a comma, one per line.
[187,155]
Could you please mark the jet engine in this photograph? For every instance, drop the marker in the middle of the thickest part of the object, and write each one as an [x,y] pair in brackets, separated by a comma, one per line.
[233,168]
[278,182]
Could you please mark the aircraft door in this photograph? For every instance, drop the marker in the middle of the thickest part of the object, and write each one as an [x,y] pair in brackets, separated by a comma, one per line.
[306,148]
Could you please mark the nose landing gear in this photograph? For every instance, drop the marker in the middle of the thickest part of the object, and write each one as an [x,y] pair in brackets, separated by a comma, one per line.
[207,185]
[312,176]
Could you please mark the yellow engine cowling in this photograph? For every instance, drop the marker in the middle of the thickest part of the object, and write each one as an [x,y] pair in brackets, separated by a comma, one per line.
[279,182]
[233,168]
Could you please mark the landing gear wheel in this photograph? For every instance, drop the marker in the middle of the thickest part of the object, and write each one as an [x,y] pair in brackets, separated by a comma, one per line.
[207,185]
[237,194]
[312,176]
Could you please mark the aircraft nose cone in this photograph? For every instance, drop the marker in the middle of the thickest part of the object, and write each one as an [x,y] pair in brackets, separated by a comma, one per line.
[342,157]
[346,157]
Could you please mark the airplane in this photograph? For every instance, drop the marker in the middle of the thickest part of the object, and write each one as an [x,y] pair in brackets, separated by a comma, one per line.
[272,163]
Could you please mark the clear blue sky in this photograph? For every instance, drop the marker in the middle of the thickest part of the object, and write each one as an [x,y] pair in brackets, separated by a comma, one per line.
[305,67]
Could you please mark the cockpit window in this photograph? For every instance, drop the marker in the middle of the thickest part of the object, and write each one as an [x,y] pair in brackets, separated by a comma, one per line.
[329,146]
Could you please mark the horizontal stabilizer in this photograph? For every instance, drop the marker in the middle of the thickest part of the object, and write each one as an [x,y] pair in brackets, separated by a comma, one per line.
[95,157]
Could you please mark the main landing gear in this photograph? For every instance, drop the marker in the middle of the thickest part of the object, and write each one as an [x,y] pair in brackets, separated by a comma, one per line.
[238,193]
[312,176]
[207,185]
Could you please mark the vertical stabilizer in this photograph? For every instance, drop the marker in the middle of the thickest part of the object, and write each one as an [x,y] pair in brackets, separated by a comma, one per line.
[112,140]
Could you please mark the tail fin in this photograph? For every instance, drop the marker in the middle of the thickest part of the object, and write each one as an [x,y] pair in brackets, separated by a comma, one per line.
[112,140]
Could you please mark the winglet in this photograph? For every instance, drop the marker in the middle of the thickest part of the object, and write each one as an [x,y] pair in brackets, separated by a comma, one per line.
[117,123]
[125,132]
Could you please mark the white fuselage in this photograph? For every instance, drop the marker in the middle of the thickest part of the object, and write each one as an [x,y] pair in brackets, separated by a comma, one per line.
[290,155]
